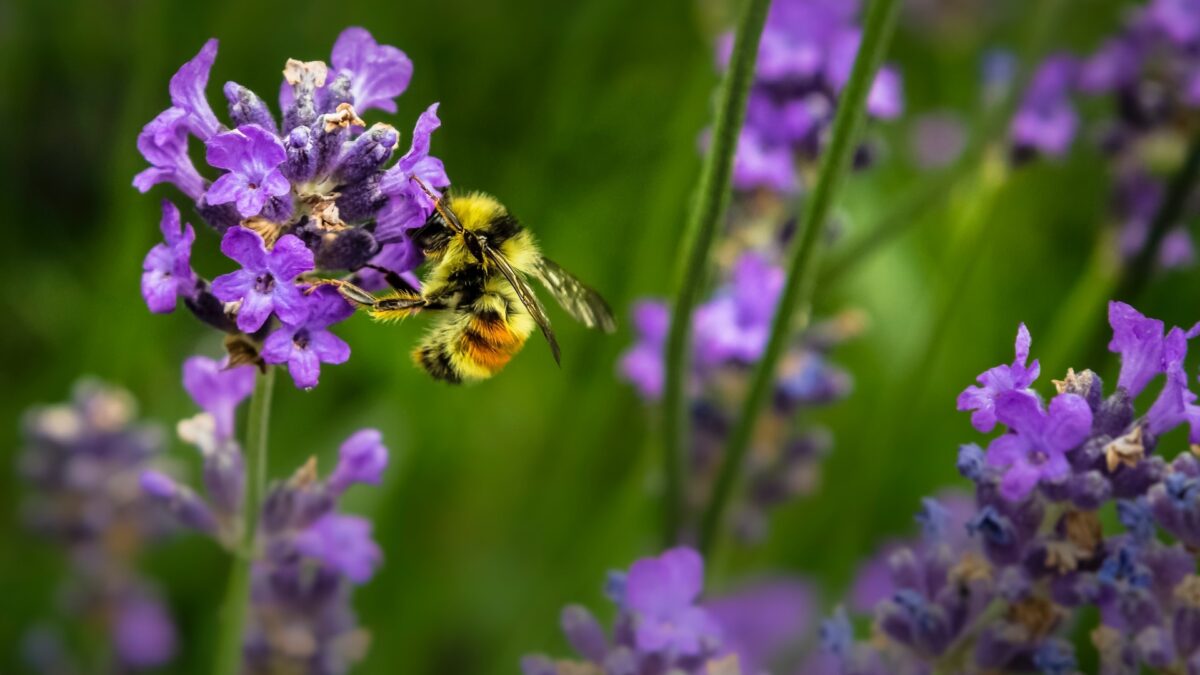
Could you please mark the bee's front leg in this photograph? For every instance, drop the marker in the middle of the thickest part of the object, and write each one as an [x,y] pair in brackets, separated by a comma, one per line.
[349,291]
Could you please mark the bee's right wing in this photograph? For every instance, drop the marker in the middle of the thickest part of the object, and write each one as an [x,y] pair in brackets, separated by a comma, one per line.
[577,298]
[526,295]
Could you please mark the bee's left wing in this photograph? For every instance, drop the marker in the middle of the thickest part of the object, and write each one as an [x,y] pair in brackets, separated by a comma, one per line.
[526,295]
[579,300]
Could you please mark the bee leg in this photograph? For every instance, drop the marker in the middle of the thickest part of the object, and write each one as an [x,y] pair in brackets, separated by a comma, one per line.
[394,280]
[349,291]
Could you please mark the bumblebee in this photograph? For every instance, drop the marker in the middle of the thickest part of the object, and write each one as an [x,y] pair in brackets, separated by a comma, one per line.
[480,257]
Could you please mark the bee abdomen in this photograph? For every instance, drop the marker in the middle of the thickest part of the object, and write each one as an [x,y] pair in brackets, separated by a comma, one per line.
[486,344]
[435,359]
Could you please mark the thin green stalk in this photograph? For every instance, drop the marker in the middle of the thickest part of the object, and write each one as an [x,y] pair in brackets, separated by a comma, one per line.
[702,225]
[237,595]
[798,290]
[1135,276]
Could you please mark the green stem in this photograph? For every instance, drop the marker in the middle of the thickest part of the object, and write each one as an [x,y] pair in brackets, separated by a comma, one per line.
[798,290]
[702,225]
[1135,276]
[237,595]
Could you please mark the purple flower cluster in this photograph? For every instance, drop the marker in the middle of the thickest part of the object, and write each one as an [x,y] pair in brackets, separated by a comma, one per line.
[995,583]
[660,627]
[804,62]
[1148,76]
[309,556]
[82,460]
[308,193]
[729,334]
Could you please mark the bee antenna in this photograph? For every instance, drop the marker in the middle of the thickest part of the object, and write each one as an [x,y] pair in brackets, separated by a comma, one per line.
[450,218]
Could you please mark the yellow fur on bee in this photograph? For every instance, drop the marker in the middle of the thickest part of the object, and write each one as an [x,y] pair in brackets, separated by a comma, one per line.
[476,209]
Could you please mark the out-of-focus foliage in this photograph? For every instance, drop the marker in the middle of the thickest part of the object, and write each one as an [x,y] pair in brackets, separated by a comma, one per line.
[510,498]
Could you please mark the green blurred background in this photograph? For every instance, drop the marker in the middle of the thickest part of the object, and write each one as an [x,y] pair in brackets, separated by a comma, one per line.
[508,499]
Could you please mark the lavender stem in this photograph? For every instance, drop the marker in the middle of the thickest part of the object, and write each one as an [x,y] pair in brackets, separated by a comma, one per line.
[798,290]
[702,225]
[237,596]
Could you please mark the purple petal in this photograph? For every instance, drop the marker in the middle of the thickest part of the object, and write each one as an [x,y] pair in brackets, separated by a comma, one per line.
[144,636]
[326,307]
[1069,423]
[1139,341]
[1020,410]
[159,288]
[163,142]
[343,543]
[427,123]
[378,73]
[217,389]
[228,188]
[886,99]
[250,201]
[305,368]
[254,312]
[362,458]
[233,286]
[1006,450]
[290,303]
[246,247]
[187,91]
[275,184]
[1019,481]
[328,347]
[289,258]
[278,346]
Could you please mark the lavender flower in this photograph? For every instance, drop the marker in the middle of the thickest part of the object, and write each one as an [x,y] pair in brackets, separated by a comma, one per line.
[1038,552]
[308,555]
[310,191]
[997,380]
[82,460]
[1046,121]
[265,282]
[252,156]
[660,627]
[167,270]
[804,60]
[304,346]
[1147,72]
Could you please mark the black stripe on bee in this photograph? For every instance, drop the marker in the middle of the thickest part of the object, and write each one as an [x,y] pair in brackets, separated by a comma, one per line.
[501,228]
[436,362]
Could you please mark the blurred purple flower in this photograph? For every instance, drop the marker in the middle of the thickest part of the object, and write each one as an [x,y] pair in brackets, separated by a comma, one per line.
[361,459]
[144,635]
[218,389]
[662,593]
[642,365]
[761,621]
[343,543]
[1046,121]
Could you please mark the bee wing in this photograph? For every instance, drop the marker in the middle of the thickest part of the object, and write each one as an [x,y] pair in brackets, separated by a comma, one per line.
[527,296]
[576,297]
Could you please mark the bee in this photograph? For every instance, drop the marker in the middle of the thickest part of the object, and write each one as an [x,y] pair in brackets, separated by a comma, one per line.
[480,257]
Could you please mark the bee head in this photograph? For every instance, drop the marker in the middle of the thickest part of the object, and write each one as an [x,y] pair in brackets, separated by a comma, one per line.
[434,236]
